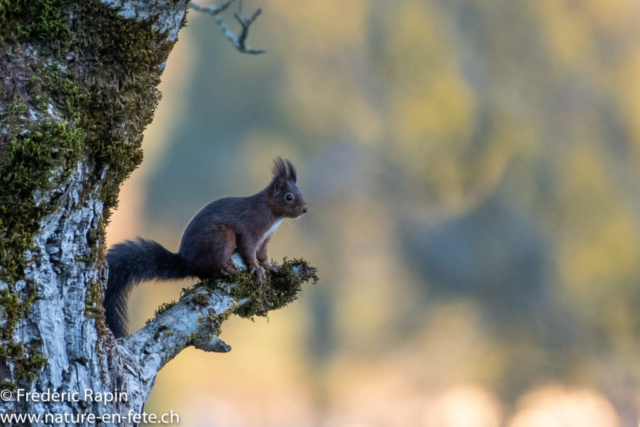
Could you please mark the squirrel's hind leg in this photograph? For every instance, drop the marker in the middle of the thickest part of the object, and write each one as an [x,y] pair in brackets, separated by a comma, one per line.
[212,259]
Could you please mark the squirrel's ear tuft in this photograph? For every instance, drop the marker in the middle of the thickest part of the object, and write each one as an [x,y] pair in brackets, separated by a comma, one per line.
[279,168]
[293,176]
[283,170]
[279,175]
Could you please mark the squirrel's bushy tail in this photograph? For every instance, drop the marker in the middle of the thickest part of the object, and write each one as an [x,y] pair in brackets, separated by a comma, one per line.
[130,263]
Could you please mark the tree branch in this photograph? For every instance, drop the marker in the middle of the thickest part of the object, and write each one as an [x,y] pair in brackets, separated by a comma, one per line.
[239,41]
[195,320]
[212,10]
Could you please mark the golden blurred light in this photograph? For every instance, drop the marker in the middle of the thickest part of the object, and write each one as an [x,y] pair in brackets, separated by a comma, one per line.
[464,406]
[393,404]
[276,410]
[558,406]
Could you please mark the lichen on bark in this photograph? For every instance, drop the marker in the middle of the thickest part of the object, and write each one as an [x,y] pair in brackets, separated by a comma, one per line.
[78,85]
[81,77]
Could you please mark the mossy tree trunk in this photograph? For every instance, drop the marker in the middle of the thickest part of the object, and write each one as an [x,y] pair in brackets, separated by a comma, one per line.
[78,86]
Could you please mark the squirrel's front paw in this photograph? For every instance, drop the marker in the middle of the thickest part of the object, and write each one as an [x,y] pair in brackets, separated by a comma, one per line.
[259,272]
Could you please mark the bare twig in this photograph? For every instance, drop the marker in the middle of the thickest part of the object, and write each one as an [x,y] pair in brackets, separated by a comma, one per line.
[239,41]
[212,10]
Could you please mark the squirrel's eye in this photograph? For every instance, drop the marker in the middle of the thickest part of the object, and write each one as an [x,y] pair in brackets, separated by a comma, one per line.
[289,197]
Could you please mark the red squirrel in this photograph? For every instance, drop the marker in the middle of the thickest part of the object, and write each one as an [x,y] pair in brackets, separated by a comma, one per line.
[224,226]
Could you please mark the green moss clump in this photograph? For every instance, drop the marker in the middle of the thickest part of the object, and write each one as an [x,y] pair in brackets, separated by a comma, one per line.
[116,101]
[194,340]
[34,19]
[6,384]
[27,360]
[164,307]
[201,300]
[35,157]
[282,287]
[94,308]
[12,309]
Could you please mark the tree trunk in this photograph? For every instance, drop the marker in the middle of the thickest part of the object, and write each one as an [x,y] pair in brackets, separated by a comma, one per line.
[79,85]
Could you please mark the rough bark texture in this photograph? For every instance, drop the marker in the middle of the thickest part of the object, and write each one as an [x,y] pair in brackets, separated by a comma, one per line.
[78,85]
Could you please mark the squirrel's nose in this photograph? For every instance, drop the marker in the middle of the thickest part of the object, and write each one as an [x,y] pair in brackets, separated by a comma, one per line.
[304,209]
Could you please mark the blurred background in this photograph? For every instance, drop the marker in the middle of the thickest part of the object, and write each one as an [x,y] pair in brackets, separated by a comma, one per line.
[473,175]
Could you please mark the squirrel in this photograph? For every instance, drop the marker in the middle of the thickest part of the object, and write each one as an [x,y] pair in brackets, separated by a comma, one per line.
[224,226]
